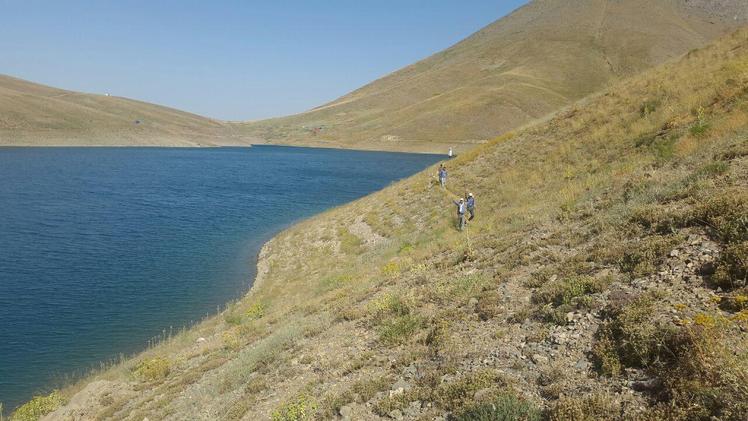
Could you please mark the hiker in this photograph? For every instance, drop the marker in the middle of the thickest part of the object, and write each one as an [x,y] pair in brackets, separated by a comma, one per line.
[460,213]
[471,206]
[443,176]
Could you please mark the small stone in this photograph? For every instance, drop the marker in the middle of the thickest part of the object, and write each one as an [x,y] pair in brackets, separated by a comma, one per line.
[473,302]
[410,371]
[346,412]
[559,338]
[401,384]
[539,359]
[396,392]
[582,365]
[201,340]
[570,317]
[395,414]
[674,253]
[413,409]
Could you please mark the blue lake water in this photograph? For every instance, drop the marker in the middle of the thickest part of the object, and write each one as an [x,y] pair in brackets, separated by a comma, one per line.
[102,249]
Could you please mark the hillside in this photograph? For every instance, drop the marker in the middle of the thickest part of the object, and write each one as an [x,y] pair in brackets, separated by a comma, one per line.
[604,278]
[535,61]
[37,115]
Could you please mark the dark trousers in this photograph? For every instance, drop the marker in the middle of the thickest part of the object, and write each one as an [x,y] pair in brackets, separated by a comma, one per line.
[471,211]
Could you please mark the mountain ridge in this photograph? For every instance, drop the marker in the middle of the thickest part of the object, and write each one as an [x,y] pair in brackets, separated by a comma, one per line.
[489,83]
[535,61]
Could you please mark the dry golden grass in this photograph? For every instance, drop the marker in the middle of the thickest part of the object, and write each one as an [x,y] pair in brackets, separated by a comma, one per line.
[583,196]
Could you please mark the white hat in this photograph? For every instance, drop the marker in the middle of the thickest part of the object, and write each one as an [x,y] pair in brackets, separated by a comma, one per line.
[470,194]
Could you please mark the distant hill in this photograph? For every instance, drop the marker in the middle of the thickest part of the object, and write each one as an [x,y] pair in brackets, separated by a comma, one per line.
[37,115]
[539,59]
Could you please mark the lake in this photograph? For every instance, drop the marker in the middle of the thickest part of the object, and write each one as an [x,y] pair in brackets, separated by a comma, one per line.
[104,249]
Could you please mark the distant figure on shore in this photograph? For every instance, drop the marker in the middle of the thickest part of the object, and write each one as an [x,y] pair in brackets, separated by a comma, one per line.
[443,176]
[450,153]
[471,206]
[460,213]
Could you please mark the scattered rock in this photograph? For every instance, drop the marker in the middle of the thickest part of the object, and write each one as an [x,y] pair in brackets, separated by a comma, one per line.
[395,414]
[582,365]
[410,371]
[347,412]
[646,385]
[570,317]
[539,359]
[401,384]
[413,410]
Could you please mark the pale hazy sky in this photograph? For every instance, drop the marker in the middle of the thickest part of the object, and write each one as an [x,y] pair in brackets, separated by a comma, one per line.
[234,60]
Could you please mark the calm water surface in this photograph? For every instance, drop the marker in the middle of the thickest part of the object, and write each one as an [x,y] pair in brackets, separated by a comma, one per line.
[102,249]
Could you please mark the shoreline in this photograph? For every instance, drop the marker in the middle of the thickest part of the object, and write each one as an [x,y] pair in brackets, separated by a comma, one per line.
[414,147]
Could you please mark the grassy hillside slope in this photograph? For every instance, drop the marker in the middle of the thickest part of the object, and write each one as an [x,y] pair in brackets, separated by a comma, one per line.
[542,57]
[37,115]
[604,278]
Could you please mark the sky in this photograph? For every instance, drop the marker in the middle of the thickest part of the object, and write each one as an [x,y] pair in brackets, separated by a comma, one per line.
[231,60]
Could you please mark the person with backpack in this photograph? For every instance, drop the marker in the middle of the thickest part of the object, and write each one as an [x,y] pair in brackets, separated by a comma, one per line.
[471,206]
[460,213]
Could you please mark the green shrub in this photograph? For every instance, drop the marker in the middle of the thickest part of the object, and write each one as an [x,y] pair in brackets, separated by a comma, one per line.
[349,242]
[732,267]
[153,369]
[504,408]
[701,125]
[736,302]
[256,311]
[567,291]
[660,219]
[330,283]
[703,377]
[405,248]
[727,213]
[38,407]
[399,329]
[364,390]
[299,409]
[709,170]
[231,341]
[664,148]
[641,259]
[630,337]
[459,393]
[388,305]
[595,407]
[648,107]
[438,337]
[605,355]
[232,318]
[451,396]
[391,269]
